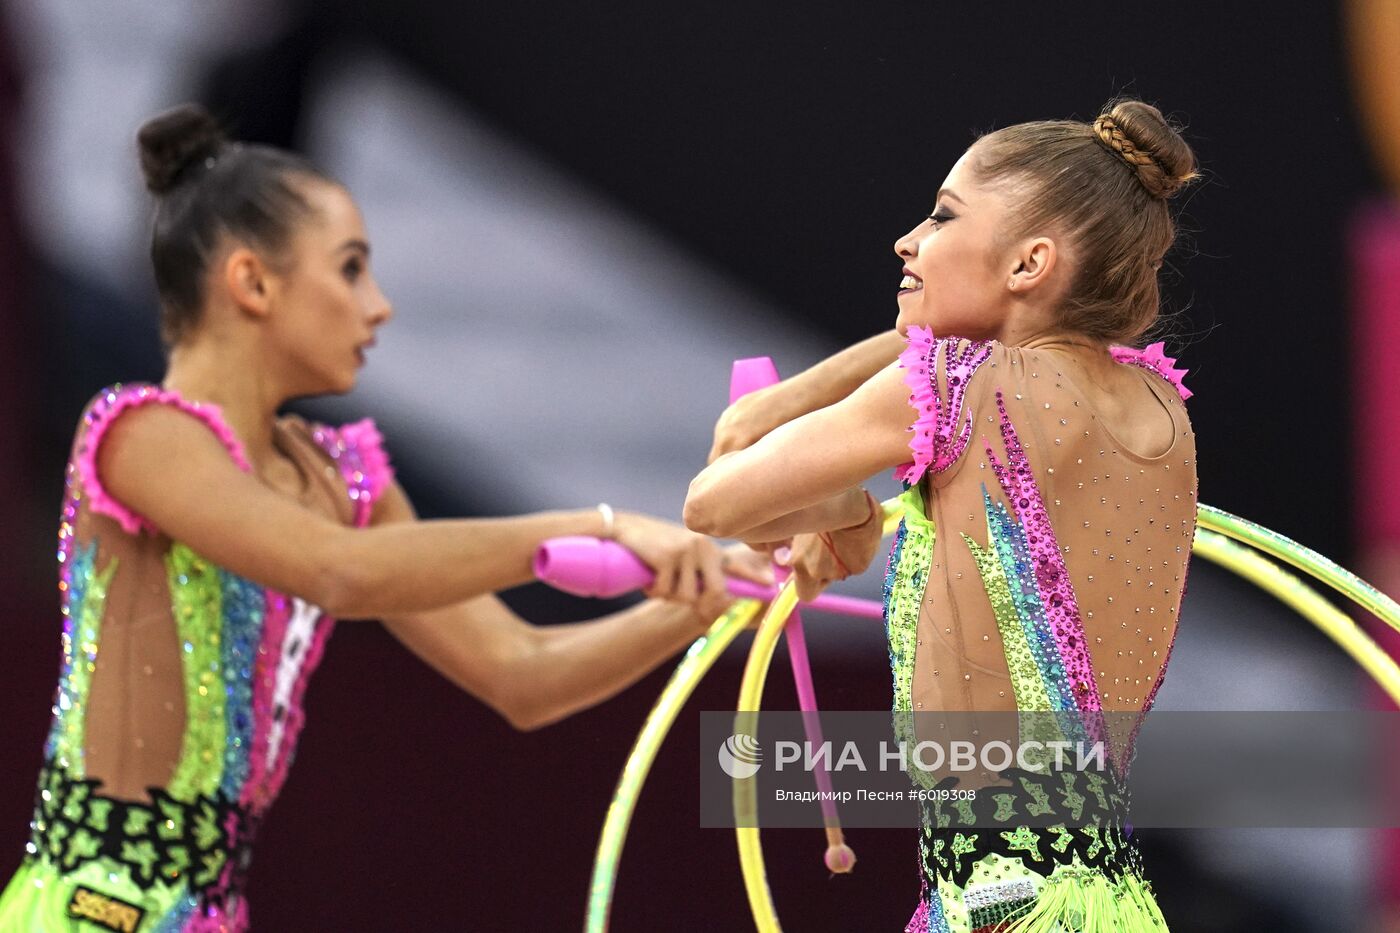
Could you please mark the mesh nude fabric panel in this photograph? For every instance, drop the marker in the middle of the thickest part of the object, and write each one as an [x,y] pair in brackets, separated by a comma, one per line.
[1123,523]
[136,707]
[135,713]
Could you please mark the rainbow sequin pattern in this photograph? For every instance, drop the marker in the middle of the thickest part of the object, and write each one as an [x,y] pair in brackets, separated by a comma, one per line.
[1038,618]
[1032,597]
[247,654]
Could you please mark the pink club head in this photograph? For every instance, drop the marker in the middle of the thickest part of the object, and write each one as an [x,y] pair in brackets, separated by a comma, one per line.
[586,566]
[750,374]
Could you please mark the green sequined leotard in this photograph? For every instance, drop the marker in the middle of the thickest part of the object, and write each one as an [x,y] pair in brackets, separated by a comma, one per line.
[179,699]
[1039,567]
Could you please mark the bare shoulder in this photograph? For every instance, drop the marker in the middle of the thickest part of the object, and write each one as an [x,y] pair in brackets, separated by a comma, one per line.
[1138,407]
[157,439]
[885,395]
[148,465]
[878,416]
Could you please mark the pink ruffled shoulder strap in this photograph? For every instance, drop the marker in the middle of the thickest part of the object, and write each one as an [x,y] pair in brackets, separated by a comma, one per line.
[942,428]
[358,450]
[103,412]
[1154,359]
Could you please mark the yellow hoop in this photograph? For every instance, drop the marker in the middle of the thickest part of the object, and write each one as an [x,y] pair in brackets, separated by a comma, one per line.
[1221,538]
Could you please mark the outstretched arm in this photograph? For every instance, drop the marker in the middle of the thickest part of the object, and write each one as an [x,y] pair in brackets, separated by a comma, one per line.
[170,468]
[802,476]
[537,675]
[826,383]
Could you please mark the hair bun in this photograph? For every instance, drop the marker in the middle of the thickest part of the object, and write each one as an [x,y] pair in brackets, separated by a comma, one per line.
[173,140]
[1143,138]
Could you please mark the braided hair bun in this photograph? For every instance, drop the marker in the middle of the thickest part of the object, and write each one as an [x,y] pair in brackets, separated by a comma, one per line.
[172,141]
[1143,138]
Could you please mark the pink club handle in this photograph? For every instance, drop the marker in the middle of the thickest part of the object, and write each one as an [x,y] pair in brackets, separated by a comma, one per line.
[595,567]
[749,375]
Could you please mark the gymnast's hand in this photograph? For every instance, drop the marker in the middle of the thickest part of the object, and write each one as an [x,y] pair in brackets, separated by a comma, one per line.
[755,415]
[689,567]
[748,419]
[818,560]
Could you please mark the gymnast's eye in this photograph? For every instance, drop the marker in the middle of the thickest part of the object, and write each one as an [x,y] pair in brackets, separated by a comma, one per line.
[940,217]
[352,268]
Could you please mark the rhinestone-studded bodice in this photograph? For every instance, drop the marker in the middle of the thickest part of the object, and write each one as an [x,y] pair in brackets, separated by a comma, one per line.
[1042,562]
[179,700]
[1040,565]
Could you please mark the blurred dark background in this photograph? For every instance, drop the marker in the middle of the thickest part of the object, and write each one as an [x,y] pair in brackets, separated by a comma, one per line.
[779,149]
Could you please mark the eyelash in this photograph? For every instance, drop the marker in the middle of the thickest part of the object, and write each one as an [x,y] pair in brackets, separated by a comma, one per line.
[940,217]
[352,270]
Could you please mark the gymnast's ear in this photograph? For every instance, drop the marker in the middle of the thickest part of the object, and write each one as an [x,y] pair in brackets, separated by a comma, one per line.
[248,281]
[1033,264]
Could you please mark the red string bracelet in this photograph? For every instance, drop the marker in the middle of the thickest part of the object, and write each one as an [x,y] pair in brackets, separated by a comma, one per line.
[825,537]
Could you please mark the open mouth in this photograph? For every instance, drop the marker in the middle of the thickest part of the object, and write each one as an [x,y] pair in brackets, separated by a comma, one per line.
[910,283]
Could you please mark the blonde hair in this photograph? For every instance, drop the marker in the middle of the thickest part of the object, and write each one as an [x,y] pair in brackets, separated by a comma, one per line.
[1104,185]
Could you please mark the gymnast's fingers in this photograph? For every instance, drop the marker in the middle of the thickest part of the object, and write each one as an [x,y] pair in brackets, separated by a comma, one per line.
[687,576]
[739,561]
[712,570]
[809,587]
[664,585]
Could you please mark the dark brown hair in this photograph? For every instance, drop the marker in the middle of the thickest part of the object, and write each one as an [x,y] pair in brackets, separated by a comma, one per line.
[1103,185]
[208,188]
